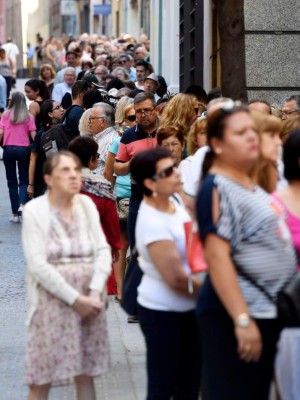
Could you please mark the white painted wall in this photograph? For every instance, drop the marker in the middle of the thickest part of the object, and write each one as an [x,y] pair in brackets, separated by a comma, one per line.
[131,20]
[169,40]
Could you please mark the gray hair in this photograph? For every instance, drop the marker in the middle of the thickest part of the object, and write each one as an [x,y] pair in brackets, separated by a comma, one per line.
[18,108]
[297,100]
[108,111]
[84,123]
[69,69]
[115,71]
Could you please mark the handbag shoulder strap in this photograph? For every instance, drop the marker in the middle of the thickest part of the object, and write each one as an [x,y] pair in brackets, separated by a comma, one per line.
[250,279]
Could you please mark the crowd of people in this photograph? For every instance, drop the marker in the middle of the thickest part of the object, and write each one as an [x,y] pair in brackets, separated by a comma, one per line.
[109,210]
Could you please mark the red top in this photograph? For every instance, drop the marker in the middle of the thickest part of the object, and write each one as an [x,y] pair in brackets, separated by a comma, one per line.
[109,219]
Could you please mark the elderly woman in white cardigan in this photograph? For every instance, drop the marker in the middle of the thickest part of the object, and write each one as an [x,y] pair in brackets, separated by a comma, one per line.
[68,262]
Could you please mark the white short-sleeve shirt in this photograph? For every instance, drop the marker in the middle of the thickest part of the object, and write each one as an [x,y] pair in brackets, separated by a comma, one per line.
[152,226]
[193,172]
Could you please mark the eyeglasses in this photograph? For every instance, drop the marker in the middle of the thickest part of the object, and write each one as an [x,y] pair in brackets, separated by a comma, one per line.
[145,111]
[289,112]
[91,118]
[165,173]
[98,156]
[57,108]
[131,118]
[122,61]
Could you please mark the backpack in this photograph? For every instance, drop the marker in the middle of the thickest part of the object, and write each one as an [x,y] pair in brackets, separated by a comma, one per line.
[57,137]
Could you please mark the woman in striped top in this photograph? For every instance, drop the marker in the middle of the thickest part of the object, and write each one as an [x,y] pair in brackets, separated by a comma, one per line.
[245,239]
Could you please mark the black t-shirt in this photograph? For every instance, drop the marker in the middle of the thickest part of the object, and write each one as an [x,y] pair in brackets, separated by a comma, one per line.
[72,119]
[37,148]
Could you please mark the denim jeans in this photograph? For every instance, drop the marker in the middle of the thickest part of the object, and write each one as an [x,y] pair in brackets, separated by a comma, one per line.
[16,157]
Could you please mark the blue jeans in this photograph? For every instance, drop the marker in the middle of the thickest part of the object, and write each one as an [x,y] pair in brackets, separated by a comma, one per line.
[16,157]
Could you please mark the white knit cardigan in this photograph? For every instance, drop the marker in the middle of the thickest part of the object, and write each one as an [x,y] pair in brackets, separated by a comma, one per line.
[36,221]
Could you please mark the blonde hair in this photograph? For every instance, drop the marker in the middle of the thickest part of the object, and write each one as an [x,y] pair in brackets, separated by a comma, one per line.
[266,122]
[84,123]
[180,112]
[192,135]
[265,172]
[120,109]
[288,125]
[49,66]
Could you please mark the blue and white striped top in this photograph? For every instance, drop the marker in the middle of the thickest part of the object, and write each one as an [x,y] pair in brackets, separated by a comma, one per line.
[260,241]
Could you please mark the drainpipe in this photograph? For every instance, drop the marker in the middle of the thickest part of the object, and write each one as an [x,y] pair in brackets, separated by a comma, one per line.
[160,12]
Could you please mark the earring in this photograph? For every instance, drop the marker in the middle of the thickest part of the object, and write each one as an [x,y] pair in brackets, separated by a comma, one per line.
[218,150]
[154,194]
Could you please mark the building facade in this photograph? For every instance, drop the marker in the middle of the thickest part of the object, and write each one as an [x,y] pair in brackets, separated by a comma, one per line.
[272,47]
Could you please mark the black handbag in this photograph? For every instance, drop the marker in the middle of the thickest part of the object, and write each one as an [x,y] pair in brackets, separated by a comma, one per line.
[288,303]
[132,279]
[287,300]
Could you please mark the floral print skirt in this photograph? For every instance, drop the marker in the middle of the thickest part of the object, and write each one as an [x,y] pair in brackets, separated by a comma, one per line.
[60,344]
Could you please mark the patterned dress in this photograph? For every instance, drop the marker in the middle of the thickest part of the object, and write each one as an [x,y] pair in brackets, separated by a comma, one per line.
[61,344]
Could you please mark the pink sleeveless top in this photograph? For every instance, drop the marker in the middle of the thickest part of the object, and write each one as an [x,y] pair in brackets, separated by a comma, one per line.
[293,223]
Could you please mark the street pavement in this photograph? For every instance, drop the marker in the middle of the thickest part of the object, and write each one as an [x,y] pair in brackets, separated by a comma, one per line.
[126,380]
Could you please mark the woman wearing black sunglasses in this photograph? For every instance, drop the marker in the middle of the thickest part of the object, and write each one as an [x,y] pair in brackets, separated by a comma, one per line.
[50,114]
[167,293]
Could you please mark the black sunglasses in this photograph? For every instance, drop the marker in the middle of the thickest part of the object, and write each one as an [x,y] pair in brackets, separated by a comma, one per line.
[165,173]
[98,155]
[131,118]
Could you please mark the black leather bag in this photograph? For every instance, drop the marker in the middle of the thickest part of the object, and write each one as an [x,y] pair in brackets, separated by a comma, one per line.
[287,300]
[132,279]
[288,303]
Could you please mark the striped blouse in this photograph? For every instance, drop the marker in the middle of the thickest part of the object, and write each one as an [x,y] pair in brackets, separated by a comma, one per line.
[261,246]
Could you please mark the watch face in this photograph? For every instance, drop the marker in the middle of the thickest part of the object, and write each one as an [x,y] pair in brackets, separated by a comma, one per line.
[243,321]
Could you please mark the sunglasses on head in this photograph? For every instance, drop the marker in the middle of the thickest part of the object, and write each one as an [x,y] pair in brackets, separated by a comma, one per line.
[165,173]
[131,118]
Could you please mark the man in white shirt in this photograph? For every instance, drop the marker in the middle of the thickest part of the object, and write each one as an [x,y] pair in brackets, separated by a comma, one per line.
[71,60]
[11,49]
[101,126]
[61,89]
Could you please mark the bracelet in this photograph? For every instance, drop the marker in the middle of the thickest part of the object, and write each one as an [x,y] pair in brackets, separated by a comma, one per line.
[190,285]
[30,184]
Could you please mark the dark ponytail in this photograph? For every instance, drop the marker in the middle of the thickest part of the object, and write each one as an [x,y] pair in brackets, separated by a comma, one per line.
[207,163]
